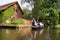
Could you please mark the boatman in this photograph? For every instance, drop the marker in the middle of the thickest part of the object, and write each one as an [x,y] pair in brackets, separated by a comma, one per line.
[33,22]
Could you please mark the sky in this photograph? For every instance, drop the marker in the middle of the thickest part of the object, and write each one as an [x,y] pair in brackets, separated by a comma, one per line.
[27,5]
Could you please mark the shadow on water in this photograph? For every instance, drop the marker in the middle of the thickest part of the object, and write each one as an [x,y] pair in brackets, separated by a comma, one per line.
[8,27]
[29,34]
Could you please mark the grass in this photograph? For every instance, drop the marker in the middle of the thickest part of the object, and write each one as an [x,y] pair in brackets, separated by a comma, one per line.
[17,22]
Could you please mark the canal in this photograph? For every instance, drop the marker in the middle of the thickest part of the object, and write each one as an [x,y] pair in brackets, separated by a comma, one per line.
[29,34]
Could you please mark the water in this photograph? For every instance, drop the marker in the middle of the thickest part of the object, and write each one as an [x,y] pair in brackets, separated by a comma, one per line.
[29,34]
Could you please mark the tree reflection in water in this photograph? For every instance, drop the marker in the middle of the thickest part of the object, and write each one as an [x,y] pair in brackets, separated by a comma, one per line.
[48,34]
[0,34]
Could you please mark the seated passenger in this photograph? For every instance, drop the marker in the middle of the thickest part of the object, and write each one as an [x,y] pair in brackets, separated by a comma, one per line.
[33,22]
[41,24]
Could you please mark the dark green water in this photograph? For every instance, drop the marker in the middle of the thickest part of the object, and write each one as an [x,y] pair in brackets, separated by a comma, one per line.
[29,34]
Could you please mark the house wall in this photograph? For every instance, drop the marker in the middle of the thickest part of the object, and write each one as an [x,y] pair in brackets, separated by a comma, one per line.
[18,10]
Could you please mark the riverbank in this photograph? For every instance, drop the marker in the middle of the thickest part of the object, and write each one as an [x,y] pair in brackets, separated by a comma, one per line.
[24,25]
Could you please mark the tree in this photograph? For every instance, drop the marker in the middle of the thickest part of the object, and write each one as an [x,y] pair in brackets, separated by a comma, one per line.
[38,11]
[44,7]
[59,9]
[27,13]
[54,17]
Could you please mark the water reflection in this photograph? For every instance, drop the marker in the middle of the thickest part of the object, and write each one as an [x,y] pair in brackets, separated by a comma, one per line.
[15,34]
[0,34]
[54,34]
[29,34]
[46,34]
[38,34]
[35,32]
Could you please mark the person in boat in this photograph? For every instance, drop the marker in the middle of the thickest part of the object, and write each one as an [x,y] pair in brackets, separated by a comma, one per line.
[34,22]
[38,25]
[41,24]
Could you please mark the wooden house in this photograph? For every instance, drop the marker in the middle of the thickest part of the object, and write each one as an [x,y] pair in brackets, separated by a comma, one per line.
[16,7]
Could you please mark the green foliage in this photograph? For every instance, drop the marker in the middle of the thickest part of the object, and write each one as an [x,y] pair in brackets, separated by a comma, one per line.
[54,17]
[25,16]
[59,18]
[8,13]
[39,10]
[27,13]
[1,16]
[15,22]
[59,4]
